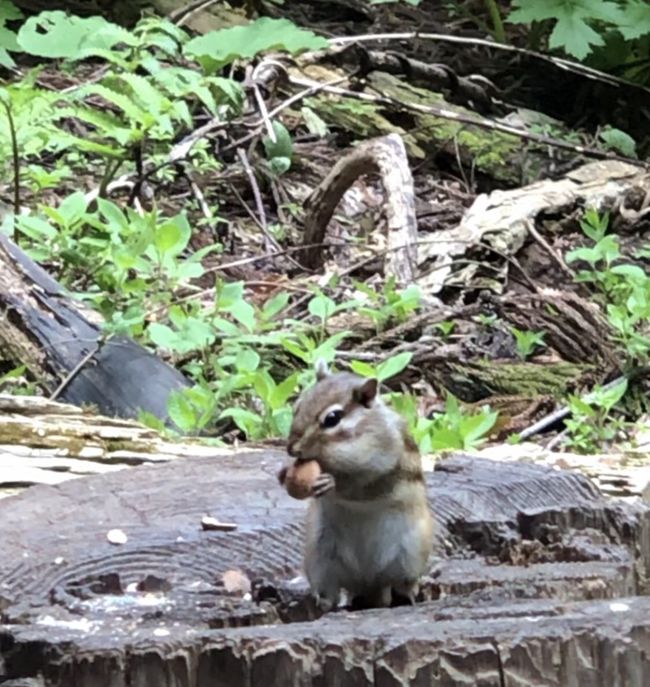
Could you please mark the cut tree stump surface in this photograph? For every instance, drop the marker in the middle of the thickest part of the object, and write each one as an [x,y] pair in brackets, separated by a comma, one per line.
[544,581]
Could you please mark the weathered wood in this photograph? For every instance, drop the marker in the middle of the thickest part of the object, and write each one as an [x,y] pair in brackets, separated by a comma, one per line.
[47,442]
[533,551]
[385,156]
[45,329]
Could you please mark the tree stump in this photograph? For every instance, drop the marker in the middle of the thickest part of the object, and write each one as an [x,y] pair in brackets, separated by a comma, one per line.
[543,584]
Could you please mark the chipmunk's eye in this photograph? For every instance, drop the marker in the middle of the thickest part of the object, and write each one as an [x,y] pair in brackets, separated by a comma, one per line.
[332,419]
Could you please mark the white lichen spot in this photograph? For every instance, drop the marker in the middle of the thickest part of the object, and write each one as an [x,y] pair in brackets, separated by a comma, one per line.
[116,536]
[161,632]
[618,607]
[59,560]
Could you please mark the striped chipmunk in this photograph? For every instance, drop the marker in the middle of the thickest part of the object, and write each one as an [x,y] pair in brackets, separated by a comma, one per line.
[369,527]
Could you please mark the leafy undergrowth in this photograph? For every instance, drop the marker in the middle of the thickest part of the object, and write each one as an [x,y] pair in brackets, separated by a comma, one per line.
[185,234]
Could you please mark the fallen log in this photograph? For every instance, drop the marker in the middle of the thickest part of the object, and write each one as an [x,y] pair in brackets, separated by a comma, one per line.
[66,351]
[111,580]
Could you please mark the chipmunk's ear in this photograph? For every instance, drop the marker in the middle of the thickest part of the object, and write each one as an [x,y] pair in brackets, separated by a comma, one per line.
[321,369]
[366,392]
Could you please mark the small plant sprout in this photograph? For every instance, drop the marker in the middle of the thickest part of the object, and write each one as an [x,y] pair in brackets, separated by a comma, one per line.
[527,341]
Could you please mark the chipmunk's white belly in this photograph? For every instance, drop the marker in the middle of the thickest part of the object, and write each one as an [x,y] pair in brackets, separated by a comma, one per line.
[374,544]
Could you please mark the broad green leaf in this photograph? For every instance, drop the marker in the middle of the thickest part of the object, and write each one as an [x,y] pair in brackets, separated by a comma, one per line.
[275,305]
[229,293]
[632,272]
[282,418]
[36,228]
[167,237]
[188,270]
[315,125]
[280,395]
[282,146]
[248,422]
[296,350]
[162,335]
[58,35]
[280,165]
[444,439]
[620,141]
[575,36]
[394,365]
[475,427]
[635,19]
[363,369]
[322,307]
[226,45]
[113,214]
[247,360]
[264,386]
[181,411]
[608,398]
[244,313]
[73,207]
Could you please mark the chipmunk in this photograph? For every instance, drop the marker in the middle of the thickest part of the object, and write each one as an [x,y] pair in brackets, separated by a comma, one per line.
[369,526]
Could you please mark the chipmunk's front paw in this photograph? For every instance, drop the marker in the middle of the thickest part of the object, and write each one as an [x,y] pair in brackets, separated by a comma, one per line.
[323,484]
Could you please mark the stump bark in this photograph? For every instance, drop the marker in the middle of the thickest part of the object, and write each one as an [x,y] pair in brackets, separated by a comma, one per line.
[543,584]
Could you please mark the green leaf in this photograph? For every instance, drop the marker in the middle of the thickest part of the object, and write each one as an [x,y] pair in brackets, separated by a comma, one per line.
[244,313]
[280,165]
[248,422]
[58,35]
[36,228]
[226,45]
[274,306]
[282,418]
[181,411]
[162,335]
[363,369]
[73,207]
[280,395]
[632,272]
[322,307]
[229,293]
[8,39]
[444,439]
[394,365]
[618,140]
[247,360]
[635,19]
[138,115]
[167,237]
[282,146]
[575,36]
[315,125]
[572,31]
[475,427]
[608,398]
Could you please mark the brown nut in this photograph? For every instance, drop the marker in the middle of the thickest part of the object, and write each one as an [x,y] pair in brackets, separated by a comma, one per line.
[300,477]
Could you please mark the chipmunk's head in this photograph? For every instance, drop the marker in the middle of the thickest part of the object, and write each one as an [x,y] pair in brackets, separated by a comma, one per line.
[342,423]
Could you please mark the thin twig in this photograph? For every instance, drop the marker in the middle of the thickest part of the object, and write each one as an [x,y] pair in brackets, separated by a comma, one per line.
[565,411]
[180,15]
[200,198]
[567,65]
[15,156]
[546,246]
[270,241]
[75,371]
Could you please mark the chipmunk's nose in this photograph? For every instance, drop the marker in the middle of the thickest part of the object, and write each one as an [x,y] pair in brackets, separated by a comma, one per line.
[293,450]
